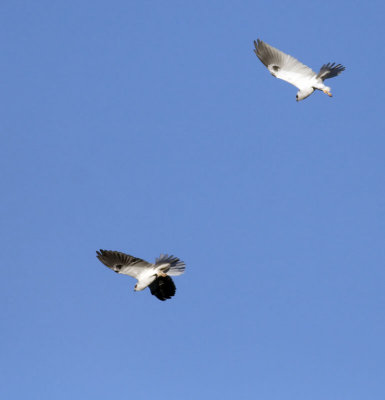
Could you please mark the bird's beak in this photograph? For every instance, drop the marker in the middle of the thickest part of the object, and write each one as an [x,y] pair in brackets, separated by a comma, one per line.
[328,93]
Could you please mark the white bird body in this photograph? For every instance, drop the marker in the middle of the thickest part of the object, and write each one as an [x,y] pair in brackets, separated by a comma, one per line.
[285,67]
[145,276]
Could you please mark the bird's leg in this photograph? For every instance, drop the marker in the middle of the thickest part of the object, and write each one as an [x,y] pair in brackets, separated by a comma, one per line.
[327,92]
[160,273]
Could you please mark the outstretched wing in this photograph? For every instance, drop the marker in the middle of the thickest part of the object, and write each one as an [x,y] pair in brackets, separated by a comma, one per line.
[163,288]
[330,70]
[122,263]
[176,266]
[284,66]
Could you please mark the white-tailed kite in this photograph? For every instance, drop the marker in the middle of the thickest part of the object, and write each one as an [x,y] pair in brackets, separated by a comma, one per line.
[286,67]
[155,276]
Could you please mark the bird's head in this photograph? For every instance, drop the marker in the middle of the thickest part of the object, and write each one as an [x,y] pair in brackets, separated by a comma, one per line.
[302,94]
[138,287]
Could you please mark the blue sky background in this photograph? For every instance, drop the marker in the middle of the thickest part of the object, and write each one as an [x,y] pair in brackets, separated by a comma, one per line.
[151,127]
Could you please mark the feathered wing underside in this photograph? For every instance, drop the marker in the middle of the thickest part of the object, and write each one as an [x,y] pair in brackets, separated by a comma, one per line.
[123,263]
[163,288]
[283,66]
[175,267]
[330,70]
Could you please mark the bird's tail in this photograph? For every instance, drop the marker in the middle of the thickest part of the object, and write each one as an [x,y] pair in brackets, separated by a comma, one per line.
[330,70]
[177,266]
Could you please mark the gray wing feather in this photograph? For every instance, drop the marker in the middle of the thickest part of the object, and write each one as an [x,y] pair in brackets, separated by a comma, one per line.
[122,263]
[282,65]
[268,54]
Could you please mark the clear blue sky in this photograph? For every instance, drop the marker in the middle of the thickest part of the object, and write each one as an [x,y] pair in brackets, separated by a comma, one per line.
[151,127]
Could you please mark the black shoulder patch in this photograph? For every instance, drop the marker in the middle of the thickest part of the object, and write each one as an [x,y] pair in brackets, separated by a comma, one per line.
[275,68]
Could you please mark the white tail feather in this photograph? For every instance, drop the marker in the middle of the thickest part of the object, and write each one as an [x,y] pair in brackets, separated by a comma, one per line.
[177,266]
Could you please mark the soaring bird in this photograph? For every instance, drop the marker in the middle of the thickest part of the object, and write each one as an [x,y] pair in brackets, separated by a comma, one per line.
[289,69]
[155,276]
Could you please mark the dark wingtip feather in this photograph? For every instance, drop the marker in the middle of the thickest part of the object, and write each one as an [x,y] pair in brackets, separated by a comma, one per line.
[256,47]
[101,254]
[163,288]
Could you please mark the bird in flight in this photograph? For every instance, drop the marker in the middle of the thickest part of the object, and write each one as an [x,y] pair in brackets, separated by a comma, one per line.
[155,276]
[285,67]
